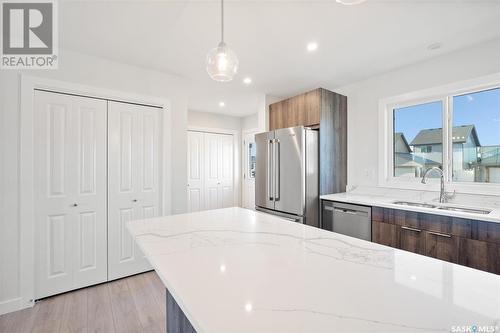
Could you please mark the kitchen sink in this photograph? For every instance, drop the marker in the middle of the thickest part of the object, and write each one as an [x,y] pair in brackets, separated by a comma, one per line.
[466,210]
[450,208]
[414,204]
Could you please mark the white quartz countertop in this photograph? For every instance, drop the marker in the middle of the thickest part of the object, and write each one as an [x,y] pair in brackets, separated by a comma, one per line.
[237,270]
[387,200]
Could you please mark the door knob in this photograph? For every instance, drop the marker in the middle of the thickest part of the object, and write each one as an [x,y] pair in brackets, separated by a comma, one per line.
[74,205]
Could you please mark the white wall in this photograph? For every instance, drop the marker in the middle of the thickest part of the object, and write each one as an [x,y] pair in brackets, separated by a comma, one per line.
[250,122]
[363,98]
[213,120]
[91,71]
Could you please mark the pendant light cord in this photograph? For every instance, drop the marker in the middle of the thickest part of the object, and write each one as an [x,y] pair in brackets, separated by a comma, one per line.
[222,20]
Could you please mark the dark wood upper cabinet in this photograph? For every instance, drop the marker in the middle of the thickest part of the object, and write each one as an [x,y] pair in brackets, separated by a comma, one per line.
[301,110]
[326,111]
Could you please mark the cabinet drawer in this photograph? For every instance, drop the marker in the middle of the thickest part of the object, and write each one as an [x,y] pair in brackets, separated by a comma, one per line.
[442,246]
[429,222]
[385,215]
[446,224]
[385,234]
[411,239]
[479,254]
[486,231]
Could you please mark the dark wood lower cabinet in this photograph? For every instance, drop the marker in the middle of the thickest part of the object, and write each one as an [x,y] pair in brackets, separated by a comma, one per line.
[412,239]
[480,255]
[466,242]
[385,234]
[441,246]
[177,322]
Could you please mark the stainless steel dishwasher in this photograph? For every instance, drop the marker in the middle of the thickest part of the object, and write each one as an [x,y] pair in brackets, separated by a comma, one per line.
[347,219]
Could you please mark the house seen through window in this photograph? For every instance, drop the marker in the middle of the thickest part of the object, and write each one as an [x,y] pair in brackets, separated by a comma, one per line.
[418,139]
[474,138]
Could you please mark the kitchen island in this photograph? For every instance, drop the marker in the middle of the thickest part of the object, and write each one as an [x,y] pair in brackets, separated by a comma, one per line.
[237,270]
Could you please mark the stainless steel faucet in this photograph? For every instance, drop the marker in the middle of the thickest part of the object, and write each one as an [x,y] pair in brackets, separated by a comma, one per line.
[443,197]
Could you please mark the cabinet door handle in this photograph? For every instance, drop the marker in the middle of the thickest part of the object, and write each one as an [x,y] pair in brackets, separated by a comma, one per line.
[411,229]
[440,234]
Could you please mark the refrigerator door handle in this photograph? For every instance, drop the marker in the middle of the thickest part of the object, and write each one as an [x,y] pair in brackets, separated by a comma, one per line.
[277,164]
[270,170]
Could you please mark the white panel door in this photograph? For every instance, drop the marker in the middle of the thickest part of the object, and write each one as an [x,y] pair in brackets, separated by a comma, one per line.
[133,181]
[226,180]
[219,161]
[213,155]
[70,192]
[195,191]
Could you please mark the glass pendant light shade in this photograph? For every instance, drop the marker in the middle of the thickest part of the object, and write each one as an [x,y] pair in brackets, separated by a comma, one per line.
[222,63]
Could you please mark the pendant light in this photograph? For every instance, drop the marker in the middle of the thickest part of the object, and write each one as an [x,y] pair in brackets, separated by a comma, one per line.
[222,63]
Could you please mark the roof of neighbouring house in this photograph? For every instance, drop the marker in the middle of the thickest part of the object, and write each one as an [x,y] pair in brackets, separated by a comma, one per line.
[401,136]
[435,135]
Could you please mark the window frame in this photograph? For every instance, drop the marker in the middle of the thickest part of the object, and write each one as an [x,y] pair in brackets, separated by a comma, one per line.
[444,94]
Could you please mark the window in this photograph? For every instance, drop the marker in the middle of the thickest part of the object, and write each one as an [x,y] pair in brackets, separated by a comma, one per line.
[476,137]
[418,139]
[453,128]
[252,155]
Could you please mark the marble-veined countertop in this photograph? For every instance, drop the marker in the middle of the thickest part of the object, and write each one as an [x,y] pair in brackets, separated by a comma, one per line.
[384,197]
[237,270]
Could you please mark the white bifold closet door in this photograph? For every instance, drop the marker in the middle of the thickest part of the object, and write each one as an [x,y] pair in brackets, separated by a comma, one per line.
[133,181]
[195,190]
[210,171]
[69,192]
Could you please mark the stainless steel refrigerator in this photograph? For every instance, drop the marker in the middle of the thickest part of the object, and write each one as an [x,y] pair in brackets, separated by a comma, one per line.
[287,174]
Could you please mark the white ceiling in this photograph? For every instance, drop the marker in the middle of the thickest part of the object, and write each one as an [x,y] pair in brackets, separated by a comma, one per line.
[270,37]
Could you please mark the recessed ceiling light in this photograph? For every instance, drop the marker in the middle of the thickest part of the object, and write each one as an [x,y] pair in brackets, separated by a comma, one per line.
[435,46]
[222,104]
[312,46]
[350,2]
[247,80]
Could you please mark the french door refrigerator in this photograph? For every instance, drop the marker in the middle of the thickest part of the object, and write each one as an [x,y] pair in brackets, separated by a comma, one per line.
[286,178]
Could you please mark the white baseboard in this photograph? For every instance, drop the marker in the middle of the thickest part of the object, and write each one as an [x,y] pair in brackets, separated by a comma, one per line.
[11,305]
